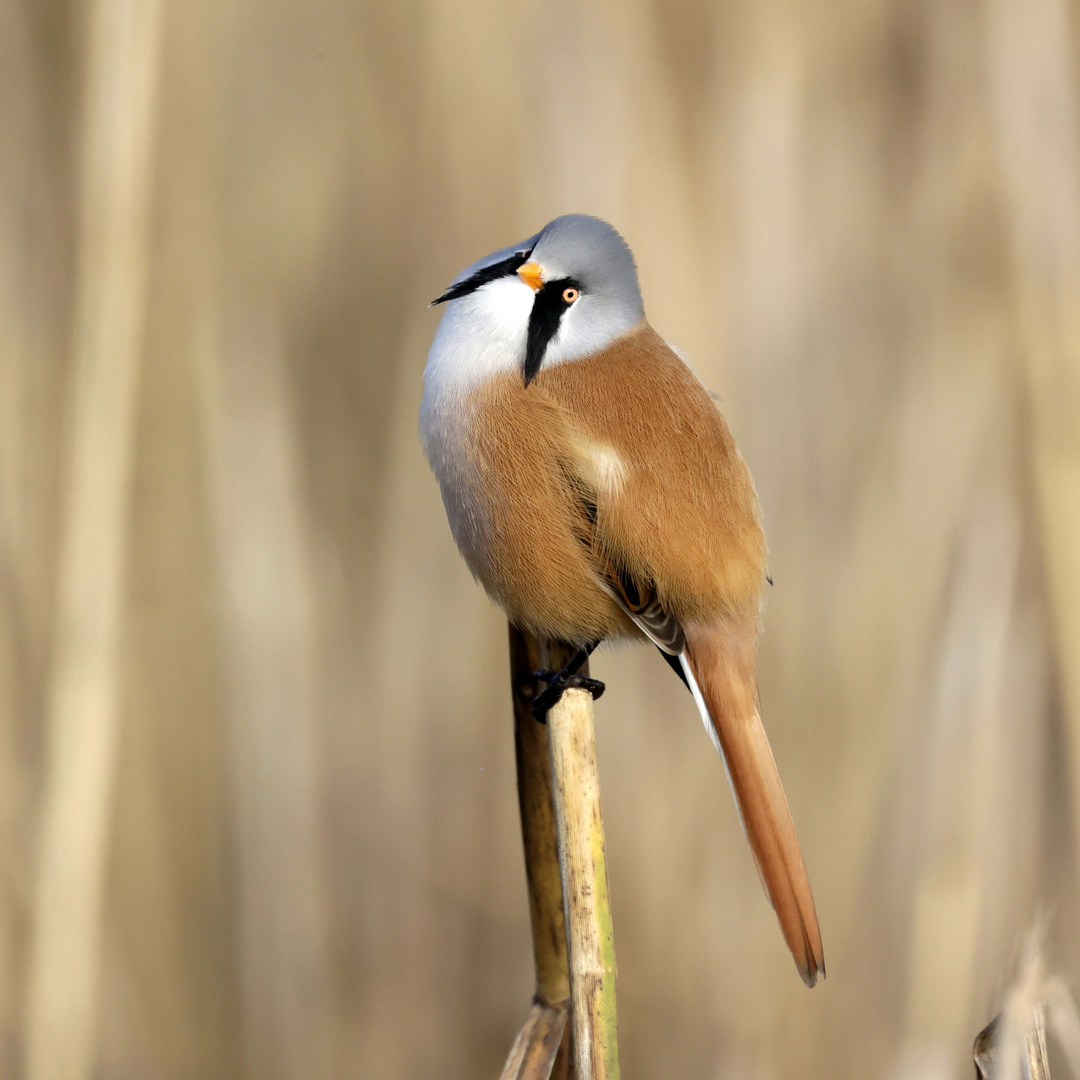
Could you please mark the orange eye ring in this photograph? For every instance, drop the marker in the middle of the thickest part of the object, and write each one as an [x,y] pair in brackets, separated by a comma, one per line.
[570,294]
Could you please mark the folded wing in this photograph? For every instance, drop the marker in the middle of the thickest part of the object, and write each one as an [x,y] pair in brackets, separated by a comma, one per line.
[717,664]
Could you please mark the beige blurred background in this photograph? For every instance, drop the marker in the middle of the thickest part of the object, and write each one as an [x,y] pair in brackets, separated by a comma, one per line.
[257,806]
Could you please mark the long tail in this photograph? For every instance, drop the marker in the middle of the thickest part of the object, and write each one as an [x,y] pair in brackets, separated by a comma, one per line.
[719,665]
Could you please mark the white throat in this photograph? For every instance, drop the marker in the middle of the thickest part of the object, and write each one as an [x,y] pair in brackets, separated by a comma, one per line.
[480,335]
[484,333]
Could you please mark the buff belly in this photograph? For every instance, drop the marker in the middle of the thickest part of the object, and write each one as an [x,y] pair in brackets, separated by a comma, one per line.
[501,463]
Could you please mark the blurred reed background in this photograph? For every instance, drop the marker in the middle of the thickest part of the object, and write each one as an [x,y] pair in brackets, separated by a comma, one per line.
[257,808]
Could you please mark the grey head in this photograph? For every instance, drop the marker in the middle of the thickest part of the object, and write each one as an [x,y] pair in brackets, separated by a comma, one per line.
[585,288]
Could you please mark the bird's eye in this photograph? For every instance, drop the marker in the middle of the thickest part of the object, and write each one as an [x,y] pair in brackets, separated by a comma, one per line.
[570,294]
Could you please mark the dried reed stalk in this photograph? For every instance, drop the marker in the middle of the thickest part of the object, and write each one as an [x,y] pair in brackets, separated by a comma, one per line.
[1034,92]
[535,1054]
[1016,1057]
[83,707]
[582,860]
[266,620]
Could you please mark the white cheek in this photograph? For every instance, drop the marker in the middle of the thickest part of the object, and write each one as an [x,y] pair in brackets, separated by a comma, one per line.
[480,335]
[506,304]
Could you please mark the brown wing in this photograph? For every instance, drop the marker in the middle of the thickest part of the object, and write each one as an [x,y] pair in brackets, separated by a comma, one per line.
[635,594]
[642,604]
[676,503]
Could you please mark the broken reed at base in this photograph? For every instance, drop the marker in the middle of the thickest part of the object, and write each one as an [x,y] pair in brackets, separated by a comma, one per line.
[565,866]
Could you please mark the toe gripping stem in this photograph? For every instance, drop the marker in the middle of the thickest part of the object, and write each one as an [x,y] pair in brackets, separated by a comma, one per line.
[561,681]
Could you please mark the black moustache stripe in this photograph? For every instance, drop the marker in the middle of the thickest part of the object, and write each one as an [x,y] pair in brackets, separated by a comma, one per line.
[484,275]
[547,312]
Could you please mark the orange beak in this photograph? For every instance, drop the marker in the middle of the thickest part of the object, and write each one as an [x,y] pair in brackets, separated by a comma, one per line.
[530,274]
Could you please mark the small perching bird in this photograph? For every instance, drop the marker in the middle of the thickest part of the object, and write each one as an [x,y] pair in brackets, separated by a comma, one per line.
[596,492]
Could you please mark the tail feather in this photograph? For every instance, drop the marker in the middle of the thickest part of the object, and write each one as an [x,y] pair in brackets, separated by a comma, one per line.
[719,665]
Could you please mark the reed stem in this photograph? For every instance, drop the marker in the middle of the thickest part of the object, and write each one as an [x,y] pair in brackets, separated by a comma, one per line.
[84,696]
[536,1051]
[583,863]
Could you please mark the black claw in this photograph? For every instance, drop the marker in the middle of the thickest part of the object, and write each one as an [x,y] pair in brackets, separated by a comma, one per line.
[593,686]
[558,683]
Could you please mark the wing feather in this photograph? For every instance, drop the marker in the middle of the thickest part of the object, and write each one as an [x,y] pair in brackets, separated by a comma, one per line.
[636,595]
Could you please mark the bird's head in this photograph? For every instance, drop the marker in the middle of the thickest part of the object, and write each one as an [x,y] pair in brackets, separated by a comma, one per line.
[561,295]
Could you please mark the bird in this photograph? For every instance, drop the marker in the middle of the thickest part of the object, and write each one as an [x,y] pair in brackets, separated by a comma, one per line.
[594,489]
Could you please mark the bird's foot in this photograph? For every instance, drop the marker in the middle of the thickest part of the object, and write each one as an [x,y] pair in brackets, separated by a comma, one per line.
[558,683]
